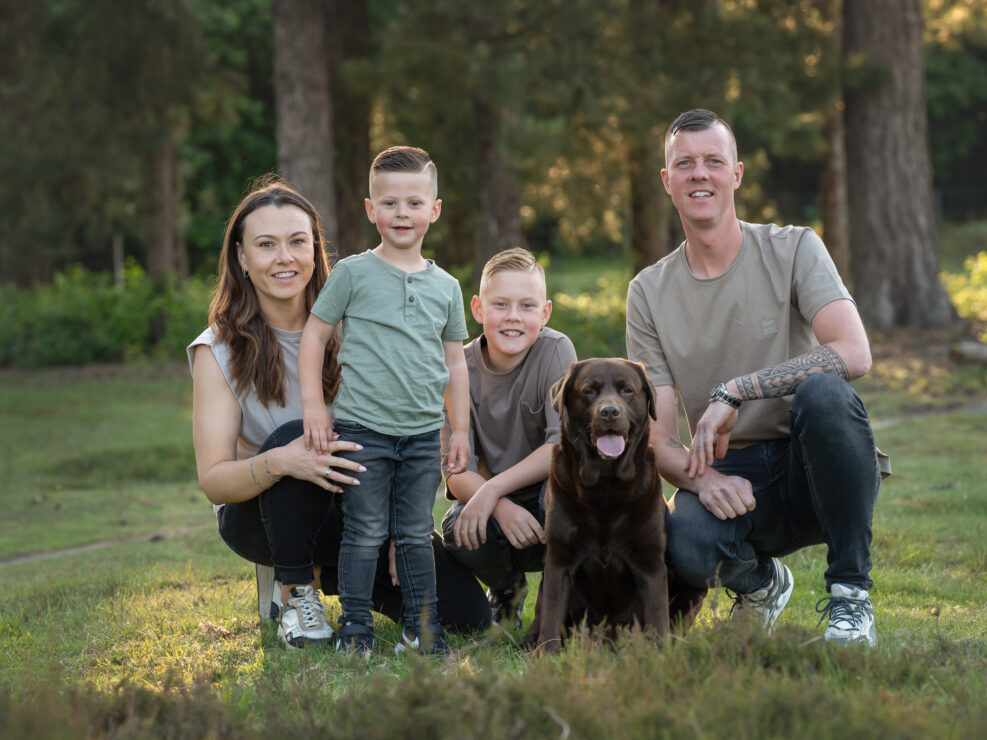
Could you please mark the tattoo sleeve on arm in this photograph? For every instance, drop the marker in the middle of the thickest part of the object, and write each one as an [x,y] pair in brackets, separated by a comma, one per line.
[784,378]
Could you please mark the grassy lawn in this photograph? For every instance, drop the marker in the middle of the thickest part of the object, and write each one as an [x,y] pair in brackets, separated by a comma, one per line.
[153,631]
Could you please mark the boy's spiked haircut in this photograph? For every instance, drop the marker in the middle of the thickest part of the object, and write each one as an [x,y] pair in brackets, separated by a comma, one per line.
[515,259]
[404,159]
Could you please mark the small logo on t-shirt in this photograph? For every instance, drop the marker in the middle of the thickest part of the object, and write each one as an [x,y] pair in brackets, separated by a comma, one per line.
[768,327]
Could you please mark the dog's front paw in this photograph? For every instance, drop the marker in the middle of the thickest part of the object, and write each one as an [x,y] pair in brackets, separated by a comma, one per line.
[530,640]
[548,646]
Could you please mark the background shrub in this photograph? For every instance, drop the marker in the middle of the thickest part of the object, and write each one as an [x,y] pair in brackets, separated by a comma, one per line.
[83,317]
[593,319]
[968,290]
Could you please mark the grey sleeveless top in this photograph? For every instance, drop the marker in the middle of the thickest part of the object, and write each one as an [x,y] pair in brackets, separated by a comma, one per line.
[258,420]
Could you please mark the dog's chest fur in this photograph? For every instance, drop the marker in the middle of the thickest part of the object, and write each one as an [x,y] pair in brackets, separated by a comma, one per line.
[606,532]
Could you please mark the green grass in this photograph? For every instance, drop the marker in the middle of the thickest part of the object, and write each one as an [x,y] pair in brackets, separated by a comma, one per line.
[155,633]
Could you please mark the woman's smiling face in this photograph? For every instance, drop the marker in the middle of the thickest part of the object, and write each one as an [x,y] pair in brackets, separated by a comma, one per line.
[278,251]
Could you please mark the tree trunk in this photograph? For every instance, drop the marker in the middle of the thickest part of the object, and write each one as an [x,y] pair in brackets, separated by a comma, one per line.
[889,169]
[500,190]
[832,180]
[350,40]
[301,95]
[161,213]
[833,192]
[649,215]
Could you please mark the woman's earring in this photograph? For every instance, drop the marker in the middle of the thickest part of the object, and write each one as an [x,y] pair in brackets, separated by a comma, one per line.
[245,273]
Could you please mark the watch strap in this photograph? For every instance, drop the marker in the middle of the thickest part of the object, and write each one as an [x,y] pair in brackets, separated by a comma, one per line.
[720,393]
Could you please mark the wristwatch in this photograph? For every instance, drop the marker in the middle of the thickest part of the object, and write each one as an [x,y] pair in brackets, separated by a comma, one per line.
[720,393]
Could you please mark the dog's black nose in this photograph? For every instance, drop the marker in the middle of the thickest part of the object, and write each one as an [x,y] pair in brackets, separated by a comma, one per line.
[609,412]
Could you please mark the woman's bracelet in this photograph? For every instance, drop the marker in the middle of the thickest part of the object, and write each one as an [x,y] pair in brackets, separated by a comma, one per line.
[254,476]
[268,469]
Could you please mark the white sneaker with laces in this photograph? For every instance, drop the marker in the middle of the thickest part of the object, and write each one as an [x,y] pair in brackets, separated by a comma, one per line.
[302,621]
[851,616]
[766,604]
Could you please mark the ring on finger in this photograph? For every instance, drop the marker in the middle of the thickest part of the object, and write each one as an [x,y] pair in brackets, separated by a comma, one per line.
[327,474]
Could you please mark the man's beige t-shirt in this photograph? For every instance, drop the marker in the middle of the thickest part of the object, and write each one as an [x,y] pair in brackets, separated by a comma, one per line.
[693,333]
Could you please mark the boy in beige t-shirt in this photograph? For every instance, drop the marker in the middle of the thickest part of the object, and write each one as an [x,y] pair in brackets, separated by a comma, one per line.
[496,526]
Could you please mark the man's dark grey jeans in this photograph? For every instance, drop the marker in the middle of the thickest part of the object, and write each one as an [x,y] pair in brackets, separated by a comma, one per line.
[819,486]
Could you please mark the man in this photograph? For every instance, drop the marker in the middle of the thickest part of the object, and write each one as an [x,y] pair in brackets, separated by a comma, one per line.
[753,327]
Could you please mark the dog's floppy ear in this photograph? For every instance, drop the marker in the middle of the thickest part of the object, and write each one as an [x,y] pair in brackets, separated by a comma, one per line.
[561,387]
[648,388]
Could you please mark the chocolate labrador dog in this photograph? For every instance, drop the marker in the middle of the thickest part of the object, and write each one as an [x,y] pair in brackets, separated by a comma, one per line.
[605,515]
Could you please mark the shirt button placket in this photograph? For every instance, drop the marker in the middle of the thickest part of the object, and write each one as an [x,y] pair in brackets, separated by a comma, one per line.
[410,292]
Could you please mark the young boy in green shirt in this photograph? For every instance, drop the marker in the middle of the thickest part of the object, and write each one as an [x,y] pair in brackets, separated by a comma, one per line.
[496,525]
[402,351]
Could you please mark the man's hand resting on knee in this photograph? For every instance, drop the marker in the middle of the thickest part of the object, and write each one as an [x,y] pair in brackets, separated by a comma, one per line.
[725,496]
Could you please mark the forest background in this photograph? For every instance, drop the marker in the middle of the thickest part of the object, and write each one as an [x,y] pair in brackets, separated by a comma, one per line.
[130,130]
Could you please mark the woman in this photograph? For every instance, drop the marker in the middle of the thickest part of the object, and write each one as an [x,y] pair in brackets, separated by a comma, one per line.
[276,501]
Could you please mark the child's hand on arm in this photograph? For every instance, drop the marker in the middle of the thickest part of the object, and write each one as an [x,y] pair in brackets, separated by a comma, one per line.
[457,400]
[311,354]
[317,423]
[459,453]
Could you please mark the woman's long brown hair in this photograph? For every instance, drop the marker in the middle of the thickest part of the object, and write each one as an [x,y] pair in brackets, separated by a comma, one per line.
[235,311]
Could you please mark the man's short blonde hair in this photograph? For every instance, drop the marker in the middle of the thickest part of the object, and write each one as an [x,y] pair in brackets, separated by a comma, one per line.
[515,260]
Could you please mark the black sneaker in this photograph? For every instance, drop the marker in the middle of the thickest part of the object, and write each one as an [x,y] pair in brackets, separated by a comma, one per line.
[356,637]
[508,603]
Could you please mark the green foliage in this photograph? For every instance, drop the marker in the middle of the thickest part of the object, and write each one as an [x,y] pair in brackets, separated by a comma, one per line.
[83,317]
[231,137]
[594,319]
[968,291]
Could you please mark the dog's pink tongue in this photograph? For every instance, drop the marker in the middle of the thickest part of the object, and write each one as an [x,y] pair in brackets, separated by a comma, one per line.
[610,445]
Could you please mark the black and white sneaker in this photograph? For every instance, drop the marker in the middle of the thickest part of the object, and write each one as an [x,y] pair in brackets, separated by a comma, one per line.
[437,645]
[851,616]
[766,604]
[355,636]
[508,603]
[302,621]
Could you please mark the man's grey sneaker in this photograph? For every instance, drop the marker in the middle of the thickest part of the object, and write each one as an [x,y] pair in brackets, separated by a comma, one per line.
[766,604]
[355,636]
[851,616]
[438,645]
[508,603]
[302,621]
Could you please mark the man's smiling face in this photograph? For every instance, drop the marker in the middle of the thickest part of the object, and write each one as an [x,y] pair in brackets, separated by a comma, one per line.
[701,174]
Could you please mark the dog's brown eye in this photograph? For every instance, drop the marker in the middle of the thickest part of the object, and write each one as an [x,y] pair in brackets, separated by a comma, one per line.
[625,391]
[589,392]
